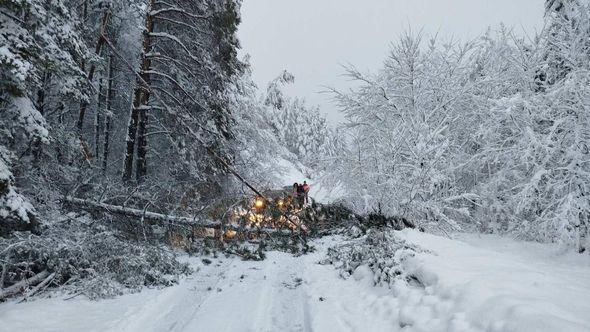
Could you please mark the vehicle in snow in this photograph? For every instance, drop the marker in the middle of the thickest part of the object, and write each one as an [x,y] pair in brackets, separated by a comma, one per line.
[276,209]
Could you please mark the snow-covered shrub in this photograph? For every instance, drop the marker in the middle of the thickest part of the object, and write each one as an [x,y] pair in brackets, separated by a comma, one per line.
[382,251]
[533,144]
[88,258]
[541,174]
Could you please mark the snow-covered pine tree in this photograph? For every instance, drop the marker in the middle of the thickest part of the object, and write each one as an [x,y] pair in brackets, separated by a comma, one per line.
[188,56]
[256,145]
[38,52]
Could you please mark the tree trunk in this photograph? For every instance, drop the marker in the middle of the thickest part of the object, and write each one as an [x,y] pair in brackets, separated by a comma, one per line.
[97,119]
[42,92]
[110,94]
[40,286]
[36,146]
[138,118]
[129,151]
[159,218]
[141,170]
[22,285]
[84,105]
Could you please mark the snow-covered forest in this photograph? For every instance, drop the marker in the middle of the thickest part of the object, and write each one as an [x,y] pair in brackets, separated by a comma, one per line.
[144,106]
[491,134]
[138,155]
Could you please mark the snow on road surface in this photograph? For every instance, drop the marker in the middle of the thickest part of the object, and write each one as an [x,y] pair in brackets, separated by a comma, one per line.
[472,283]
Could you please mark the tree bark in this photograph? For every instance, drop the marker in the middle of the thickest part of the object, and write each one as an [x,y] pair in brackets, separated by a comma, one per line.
[97,119]
[159,218]
[39,287]
[42,92]
[130,146]
[141,165]
[3,275]
[110,94]
[84,105]
[36,146]
[22,285]
[138,117]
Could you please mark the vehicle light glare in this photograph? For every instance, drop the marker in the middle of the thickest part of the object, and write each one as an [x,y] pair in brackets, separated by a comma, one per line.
[259,203]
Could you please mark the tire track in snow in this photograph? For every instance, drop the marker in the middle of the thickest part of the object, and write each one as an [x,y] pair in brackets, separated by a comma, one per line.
[174,307]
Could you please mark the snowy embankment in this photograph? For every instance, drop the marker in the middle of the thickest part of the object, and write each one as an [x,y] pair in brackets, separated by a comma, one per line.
[490,283]
[472,283]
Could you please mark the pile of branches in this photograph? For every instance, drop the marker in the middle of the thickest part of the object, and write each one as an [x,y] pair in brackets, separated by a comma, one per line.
[324,219]
[83,256]
[382,251]
[253,249]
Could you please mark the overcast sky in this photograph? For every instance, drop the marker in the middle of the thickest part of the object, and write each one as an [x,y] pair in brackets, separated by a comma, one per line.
[312,38]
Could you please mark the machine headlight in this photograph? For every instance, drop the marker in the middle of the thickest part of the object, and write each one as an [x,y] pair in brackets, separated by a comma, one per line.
[259,203]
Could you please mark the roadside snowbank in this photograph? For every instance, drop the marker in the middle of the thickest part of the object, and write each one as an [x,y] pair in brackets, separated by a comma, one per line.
[490,283]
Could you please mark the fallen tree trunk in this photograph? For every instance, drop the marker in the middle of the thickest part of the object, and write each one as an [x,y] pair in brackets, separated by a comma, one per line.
[39,287]
[146,215]
[22,285]
[166,219]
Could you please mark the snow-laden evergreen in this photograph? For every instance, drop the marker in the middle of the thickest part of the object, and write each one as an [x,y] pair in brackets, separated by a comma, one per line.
[36,41]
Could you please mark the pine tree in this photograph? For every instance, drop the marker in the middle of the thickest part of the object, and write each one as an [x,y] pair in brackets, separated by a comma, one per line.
[37,59]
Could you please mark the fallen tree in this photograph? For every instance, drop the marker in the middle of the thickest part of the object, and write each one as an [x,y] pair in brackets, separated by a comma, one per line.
[160,218]
[24,284]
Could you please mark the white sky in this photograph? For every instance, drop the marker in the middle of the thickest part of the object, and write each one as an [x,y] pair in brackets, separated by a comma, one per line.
[312,38]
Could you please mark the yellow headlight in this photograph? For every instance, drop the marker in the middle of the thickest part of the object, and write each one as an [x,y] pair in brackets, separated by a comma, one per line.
[259,203]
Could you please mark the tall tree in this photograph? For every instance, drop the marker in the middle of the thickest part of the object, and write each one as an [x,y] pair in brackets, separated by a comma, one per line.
[108,113]
[138,116]
[188,56]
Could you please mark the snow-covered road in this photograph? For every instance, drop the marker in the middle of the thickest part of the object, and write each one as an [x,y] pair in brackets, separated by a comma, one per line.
[281,293]
[473,283]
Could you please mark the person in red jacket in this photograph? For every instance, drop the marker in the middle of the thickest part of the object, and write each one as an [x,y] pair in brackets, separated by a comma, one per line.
[306,188]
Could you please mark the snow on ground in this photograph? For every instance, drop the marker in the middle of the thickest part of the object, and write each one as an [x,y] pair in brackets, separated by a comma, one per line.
[281,293]
[472,283]
[491,283]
